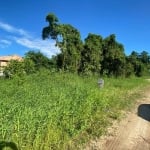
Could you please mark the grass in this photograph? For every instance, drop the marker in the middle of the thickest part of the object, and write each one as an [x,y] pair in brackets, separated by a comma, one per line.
[61,111]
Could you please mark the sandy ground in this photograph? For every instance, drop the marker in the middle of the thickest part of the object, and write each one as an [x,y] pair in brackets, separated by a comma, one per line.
[132,133]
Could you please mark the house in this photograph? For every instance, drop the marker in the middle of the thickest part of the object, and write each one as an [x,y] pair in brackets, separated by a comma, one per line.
[4,60]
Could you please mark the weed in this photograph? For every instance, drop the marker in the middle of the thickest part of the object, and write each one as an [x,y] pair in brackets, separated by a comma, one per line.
[58,111]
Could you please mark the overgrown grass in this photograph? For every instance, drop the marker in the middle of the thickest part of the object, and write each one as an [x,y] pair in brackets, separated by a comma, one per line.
[61,111]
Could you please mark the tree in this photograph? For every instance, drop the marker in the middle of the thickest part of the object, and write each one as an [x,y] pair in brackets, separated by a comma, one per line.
[39,60]
[51,31]
[92,54]
[129,68]
[67,39]
[70,46]
[134,59]
[113,63]
[144,57]
[29,66]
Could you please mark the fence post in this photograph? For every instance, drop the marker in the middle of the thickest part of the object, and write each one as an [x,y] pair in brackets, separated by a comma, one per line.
[101,83]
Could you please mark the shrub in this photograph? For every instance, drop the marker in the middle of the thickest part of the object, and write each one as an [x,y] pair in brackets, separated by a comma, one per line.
[14,68]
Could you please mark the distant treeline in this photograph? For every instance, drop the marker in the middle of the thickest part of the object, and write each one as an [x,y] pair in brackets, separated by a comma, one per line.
[94,55]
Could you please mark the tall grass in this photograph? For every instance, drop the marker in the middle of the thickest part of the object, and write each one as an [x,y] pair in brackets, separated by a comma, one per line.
[61,111]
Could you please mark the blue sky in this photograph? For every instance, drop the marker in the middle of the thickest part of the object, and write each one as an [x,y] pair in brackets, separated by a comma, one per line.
[21,23]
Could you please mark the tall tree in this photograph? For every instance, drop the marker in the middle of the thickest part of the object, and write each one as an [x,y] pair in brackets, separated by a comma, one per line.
[92,54]
[134,60]
[70,45]
[51,31]
[113,63]
[67,39]
[145,57]
[140,63]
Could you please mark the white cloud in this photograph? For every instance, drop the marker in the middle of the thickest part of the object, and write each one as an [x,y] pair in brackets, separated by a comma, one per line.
[5,43]
[23,38]
[11,29]
[7,27]
[45,47]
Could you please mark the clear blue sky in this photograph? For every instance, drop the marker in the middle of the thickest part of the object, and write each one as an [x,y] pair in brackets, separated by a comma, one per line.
[21,22]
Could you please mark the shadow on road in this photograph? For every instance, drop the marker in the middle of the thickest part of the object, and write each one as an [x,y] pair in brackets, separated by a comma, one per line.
[144,111]
[10,145]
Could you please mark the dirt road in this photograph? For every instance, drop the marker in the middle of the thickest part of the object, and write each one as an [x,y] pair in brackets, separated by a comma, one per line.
[132,133]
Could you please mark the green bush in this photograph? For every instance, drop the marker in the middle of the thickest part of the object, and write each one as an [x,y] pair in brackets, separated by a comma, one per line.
[14,68]
[29,66]
[19,68]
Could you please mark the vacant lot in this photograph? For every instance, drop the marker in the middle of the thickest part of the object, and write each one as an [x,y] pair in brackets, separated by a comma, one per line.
[59,111]
[132,133]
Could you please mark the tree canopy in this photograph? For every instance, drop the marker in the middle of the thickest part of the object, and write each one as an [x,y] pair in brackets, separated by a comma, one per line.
[92,55]
[95,54]
[67,39]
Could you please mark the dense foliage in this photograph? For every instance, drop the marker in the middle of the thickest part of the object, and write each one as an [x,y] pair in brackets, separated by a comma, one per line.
[94,55]
[69,41]
[52,111]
